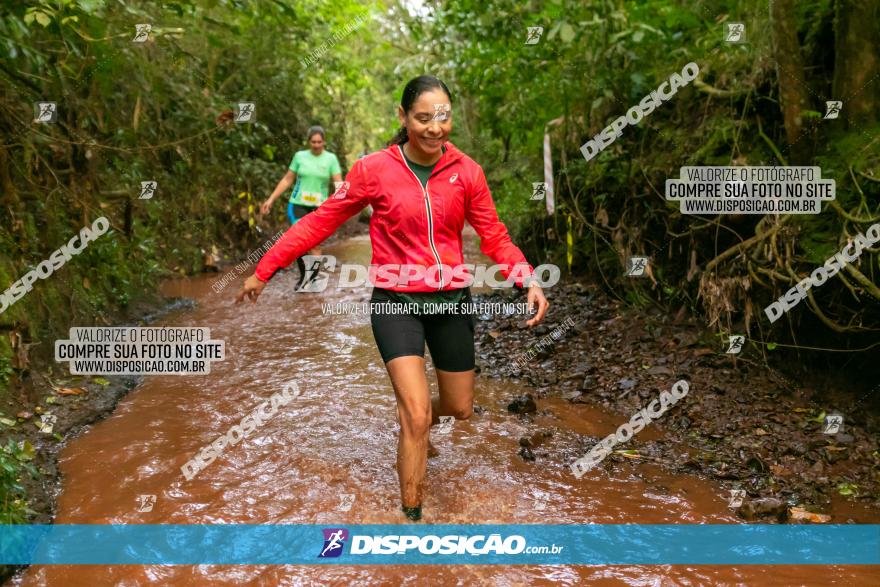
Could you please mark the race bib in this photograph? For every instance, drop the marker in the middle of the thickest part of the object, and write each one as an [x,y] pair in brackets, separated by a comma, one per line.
[311,198]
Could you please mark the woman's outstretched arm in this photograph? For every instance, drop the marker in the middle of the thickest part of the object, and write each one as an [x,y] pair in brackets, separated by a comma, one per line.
[495,243]
[313,229]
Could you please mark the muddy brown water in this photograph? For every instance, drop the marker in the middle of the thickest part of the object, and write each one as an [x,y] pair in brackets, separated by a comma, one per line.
[339,437]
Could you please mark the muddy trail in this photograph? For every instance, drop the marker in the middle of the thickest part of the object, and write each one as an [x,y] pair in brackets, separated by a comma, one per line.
[328,457]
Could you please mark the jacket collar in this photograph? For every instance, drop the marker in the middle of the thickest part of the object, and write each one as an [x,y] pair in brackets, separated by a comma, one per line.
[451,155]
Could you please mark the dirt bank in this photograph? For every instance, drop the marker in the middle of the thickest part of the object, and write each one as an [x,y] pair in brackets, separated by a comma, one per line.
[742,422]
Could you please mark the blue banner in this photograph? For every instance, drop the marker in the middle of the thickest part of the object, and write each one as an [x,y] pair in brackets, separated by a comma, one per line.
[509,544]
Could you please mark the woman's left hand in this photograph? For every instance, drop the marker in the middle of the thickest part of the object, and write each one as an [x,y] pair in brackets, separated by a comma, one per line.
[536,294]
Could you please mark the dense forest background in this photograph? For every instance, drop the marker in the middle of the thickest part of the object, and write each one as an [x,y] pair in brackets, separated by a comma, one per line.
[161,110]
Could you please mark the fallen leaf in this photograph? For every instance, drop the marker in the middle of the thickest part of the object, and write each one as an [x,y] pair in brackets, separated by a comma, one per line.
[27,451]
[847,488]
[7,421]
[630,454]
[494,333]
[780,471]
[69,391]
[703,352]
[761,432]
[802,514]
[86,284]
[24,415]
[100,381]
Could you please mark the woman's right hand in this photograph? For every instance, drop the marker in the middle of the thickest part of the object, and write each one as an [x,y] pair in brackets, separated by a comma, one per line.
[251,289]
[264,209]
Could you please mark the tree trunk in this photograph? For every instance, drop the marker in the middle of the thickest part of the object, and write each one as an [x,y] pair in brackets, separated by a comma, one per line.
[790,74]
[857,60]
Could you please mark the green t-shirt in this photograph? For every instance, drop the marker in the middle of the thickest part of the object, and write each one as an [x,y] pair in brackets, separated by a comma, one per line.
[313,177]
[423,172]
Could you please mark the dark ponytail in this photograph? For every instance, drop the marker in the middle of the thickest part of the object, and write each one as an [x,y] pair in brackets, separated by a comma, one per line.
[400,138]
[415,88]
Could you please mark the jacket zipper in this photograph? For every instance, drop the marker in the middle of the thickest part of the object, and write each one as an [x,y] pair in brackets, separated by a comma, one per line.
[430,219]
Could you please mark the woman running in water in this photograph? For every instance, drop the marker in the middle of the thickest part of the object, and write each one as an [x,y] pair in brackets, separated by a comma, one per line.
[422,189]
[312,169]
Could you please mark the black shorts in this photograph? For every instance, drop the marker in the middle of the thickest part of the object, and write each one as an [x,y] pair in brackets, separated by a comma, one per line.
[299,211]
[450,336]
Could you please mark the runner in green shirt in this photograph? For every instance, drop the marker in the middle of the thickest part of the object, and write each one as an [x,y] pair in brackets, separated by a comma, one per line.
[312,170]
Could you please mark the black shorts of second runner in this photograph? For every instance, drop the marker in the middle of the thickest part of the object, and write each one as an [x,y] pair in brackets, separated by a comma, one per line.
[295,211]
[450,336]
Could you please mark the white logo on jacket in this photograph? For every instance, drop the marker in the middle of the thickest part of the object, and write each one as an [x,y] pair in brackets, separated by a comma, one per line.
[453,178]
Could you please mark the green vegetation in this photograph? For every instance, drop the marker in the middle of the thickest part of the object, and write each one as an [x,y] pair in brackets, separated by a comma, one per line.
[14,462]
[597,59]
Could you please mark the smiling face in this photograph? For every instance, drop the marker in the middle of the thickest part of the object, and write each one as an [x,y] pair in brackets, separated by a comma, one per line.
[316,142]
[428,122]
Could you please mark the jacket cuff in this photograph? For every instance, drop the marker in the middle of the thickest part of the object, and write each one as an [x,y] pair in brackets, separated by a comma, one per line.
[262,274]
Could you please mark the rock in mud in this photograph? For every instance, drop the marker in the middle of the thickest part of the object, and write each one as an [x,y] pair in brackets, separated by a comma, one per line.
[627,383]
[535,440]
[527,454]
[522,405]
[768,506]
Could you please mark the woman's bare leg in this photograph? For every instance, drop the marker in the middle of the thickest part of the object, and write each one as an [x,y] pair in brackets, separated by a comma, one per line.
[456,395]
[456,399]
[414,412]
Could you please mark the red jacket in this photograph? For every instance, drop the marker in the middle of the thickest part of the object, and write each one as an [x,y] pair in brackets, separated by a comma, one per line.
[409,225]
